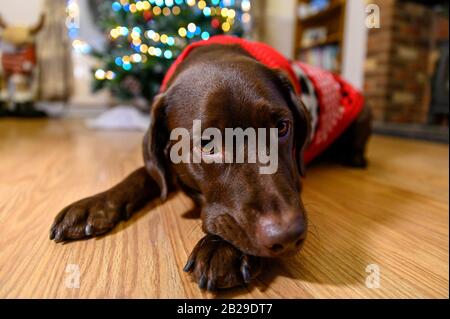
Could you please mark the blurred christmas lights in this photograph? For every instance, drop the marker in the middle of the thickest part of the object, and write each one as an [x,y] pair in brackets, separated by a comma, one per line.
[149,43]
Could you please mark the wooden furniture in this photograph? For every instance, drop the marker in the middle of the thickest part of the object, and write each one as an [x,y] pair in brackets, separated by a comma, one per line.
[394,215]
[332,18]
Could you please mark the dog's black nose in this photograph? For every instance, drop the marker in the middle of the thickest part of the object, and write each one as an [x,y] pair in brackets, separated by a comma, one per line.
[282,234]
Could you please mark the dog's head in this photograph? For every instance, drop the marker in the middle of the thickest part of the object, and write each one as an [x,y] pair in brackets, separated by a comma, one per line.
[261,214]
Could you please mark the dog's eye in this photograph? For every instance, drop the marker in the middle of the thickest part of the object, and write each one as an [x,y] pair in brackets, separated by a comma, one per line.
[283,127]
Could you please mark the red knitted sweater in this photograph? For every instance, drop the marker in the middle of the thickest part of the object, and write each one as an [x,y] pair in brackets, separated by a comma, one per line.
[338,103]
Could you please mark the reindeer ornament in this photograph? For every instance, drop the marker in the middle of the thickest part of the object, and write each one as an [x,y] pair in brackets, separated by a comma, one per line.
[18,69]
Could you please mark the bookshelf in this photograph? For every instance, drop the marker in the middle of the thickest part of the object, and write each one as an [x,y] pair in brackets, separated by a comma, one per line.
[319,33]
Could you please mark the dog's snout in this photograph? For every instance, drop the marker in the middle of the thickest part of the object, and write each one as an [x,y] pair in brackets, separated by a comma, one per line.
[280,235]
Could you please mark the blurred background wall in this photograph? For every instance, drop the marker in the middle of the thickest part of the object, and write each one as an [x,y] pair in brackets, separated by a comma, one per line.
[279,24]
[21,12]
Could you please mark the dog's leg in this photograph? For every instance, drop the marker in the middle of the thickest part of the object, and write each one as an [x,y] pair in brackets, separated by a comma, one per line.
[95,215]
[214,263]
[349,149]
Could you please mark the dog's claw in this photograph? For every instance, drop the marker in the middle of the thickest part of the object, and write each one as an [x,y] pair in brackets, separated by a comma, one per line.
[59,236]
[245,269]
[202,282]
[189,265]
[89,230]
[246,273]
[52,233]
[211,285]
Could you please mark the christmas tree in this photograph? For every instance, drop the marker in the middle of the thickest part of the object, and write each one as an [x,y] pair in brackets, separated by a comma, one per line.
[144,37]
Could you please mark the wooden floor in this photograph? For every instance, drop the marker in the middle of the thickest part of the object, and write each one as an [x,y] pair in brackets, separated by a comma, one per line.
[394,215]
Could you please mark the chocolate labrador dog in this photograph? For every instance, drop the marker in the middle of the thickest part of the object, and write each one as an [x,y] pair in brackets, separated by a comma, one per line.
[246,216]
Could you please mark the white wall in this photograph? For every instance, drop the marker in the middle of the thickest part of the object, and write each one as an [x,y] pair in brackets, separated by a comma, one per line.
[23,12]
[355,43]
[280,25]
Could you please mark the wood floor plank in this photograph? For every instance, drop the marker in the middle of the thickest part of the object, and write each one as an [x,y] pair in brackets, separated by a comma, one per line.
[395,215]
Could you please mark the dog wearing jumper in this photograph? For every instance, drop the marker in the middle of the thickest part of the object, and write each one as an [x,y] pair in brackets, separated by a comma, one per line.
[227,82]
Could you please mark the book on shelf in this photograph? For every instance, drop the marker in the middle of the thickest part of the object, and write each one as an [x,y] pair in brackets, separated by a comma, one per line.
[325,57]
[306,10]
[313,36]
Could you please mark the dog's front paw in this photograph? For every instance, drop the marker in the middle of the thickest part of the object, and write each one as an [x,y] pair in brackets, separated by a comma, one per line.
[88,217]
[215,263]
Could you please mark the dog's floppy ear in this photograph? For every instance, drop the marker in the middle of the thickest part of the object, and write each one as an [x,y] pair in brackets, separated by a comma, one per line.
[155,143]
[302,123]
